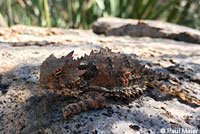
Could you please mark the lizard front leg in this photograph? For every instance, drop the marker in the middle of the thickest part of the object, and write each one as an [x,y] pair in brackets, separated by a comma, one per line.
[175,91]
[85,105]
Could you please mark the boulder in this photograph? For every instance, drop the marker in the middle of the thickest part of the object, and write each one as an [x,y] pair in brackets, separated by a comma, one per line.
[27,108]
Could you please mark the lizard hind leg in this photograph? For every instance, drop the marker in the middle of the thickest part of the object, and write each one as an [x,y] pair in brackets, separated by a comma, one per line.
[175,90]
[85,105]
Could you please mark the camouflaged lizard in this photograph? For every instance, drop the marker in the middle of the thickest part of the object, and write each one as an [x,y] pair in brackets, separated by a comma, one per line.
[103,74]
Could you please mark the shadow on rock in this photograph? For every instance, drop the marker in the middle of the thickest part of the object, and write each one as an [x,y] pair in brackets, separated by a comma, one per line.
[26,108]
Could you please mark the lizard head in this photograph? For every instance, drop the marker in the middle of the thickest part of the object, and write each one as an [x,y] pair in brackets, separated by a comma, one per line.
[60,72]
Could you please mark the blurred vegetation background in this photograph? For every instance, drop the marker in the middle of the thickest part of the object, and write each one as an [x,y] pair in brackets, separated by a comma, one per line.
[82,13]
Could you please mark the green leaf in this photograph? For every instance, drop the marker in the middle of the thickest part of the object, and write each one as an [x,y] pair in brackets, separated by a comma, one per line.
[100,4]
[47,13]
[145,10]
[2,21]
[113,6]
[163,8]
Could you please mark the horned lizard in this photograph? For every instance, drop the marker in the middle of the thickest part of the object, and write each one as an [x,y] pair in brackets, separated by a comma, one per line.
[104,74]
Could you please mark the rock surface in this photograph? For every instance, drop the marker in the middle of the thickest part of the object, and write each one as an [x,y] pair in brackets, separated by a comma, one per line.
[26,108]
[139,28]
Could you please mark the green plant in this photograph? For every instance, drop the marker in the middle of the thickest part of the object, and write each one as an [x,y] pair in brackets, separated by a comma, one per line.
[82,13]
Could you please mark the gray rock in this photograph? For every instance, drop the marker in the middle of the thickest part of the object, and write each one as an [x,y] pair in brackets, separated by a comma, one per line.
[26,108]
[140,28]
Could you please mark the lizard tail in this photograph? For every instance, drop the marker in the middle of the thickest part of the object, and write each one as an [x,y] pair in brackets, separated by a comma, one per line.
[85,105]
[175,91]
